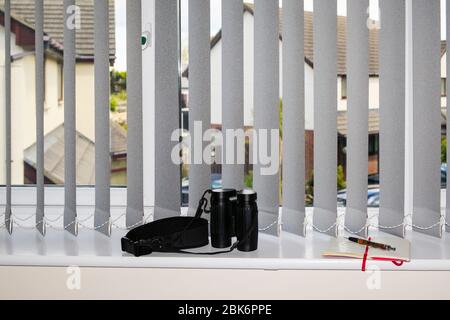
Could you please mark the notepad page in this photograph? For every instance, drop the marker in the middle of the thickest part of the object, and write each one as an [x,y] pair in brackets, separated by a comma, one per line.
[341,247]
[402,246]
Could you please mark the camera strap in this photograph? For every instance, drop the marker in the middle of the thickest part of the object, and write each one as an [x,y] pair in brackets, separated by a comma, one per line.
[175,234]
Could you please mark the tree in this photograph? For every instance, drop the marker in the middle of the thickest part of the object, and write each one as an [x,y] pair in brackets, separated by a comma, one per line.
[118,81]
[309,188]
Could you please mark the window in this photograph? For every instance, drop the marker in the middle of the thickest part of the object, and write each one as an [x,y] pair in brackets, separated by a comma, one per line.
[443,87]
[344,87]
[373,144]
[60,81]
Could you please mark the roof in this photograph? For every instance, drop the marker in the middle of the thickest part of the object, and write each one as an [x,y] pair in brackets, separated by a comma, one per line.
[308,42]
[54,157]
[118,139]
[23,11]
[374,122]
[85,168]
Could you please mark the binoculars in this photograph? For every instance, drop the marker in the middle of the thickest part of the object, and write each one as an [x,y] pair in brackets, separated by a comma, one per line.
[234,214]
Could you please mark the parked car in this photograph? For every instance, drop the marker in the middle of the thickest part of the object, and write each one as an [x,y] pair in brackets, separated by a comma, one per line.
[216,183]
[373,193]
[373,179]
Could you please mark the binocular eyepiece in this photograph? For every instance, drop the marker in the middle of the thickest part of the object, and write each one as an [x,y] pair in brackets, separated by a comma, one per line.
[234,213]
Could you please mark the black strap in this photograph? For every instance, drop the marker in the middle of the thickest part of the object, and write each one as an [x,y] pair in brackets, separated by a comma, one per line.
[233,246]
[175,234]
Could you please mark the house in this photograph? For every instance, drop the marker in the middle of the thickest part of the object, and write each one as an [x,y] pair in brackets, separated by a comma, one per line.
[23,91]
[341,78]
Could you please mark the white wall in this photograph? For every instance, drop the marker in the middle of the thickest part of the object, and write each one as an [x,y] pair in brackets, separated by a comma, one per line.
[374,97]
[150,283]
[24,108]
[18,86]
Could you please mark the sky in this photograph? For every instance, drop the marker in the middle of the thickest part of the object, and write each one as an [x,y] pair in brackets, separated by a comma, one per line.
[216,22]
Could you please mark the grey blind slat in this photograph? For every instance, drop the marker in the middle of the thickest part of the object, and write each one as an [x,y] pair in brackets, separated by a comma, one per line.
[167,174]
[266,106]
[325,113]
[232,86]
[427,115]
[199,97]
[102,129]
[293,118]
[70,183]
[447,226]
[40,78]
[8,219]
[358,111]
[135,184]
[392,116]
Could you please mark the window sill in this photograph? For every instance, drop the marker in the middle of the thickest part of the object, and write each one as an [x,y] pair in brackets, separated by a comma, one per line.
[289,252]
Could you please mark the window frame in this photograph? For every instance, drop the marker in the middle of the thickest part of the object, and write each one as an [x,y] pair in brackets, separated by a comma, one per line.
[60,80]
[343,87]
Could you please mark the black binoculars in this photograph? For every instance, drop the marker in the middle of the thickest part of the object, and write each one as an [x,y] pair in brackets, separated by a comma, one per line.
[234,214]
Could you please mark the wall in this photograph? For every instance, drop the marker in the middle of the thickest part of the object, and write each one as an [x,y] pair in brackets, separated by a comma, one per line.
[24,110]
[141,283]
[15,71]
[374,97]
[85,88]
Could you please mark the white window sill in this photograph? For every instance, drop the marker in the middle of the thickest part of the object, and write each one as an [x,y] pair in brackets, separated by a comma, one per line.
[289,252]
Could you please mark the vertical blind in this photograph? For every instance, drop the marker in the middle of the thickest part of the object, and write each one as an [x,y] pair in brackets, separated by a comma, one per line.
[167,111]
[199,97]
[232,85]
[392,116]
[293,117]
[70,150]
[40,192]
[357,110]
[102,130]
[426,124]
[7,24]
[266,112]
[135,169]
[325,114]
[427,116]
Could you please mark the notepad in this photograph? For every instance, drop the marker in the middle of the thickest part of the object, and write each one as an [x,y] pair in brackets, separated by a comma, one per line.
[341,247]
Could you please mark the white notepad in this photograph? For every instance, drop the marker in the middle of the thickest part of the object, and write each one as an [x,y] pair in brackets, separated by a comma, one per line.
[342,247]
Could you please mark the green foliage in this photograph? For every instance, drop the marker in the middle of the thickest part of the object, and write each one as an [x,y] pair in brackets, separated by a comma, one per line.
[341,184]
[248,180]
[118,81]
[309,188]
[113,103]
[116,99]
[443,150]
[122,95]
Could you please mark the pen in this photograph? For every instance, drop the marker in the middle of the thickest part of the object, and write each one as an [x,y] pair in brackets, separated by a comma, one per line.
[371,244]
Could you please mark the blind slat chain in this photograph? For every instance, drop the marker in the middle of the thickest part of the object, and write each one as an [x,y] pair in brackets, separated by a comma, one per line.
[79,222]
[441,221]
[15,218]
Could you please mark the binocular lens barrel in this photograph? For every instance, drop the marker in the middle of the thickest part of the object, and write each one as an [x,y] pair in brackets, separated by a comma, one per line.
[223,208]
[234,214]
[247,221]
